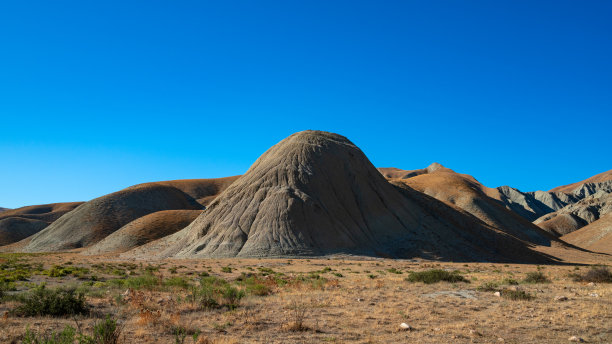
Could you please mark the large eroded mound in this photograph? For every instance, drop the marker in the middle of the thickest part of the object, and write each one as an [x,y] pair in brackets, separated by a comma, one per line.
[145,229]
[94,220]
[316,193]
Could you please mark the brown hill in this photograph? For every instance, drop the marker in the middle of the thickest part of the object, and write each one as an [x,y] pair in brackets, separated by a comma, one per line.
[597,236]
[13,229]
[43,212]
[396,173]
[145,229]
[17,224]
[202,190]
[3,209]
[599,178]
[94,220]
[316,193]
[465,192]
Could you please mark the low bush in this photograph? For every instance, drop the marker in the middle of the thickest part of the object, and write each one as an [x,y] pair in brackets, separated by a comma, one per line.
[178,282]
[536,277]
[435,276]
[509,281]
[147,281]
[61,271]
[599,274]
[516,295]
[215,292]
[54,302]
[107,331]
[489,286]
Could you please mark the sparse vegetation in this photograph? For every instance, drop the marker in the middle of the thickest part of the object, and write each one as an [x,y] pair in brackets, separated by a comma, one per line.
[536,277]
[435,276]
[303,299]
[107,331]
[297,311]
[489,286]
[515,295]
[54,302]
[598,274]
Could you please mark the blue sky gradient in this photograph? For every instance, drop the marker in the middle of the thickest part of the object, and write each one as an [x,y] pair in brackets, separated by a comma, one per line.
[98,96]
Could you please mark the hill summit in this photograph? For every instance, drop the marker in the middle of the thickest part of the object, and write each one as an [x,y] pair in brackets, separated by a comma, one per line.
[316,193]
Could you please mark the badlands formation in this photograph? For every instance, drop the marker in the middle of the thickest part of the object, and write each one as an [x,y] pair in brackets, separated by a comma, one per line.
[315,194]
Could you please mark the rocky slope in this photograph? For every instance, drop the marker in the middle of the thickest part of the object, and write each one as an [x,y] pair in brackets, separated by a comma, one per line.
[596,179]
[596,236]
[94,220]
[465,192]
[316,193]
[577,215]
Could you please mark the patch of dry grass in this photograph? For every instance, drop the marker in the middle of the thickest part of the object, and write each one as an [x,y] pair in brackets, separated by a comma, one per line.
[305,301]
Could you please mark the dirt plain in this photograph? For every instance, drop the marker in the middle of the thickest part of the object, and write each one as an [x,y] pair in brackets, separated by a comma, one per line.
[336,300]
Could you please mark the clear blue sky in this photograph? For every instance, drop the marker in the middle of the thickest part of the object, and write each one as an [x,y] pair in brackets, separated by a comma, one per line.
[96,96]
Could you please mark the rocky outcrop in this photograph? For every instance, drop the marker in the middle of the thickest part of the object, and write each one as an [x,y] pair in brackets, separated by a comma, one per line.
[598,178]
[532,205]
[577,215]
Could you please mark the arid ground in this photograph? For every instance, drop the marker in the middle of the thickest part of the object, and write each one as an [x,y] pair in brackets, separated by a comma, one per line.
[335,300]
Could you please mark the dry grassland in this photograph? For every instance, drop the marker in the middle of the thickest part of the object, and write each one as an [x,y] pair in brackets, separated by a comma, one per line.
[337,300]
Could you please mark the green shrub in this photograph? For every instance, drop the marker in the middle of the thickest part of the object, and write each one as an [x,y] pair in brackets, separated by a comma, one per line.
[61,271]
[179,282]
[104,332]
[599,274]
[66,336]
[254,286]
[226,269]
[4,287]
[266,271]
[516,295]
[53,302]
[394,271]
[509,281]
[147,281]
[435,276]
[536,277]
[232,296]
[489,286]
